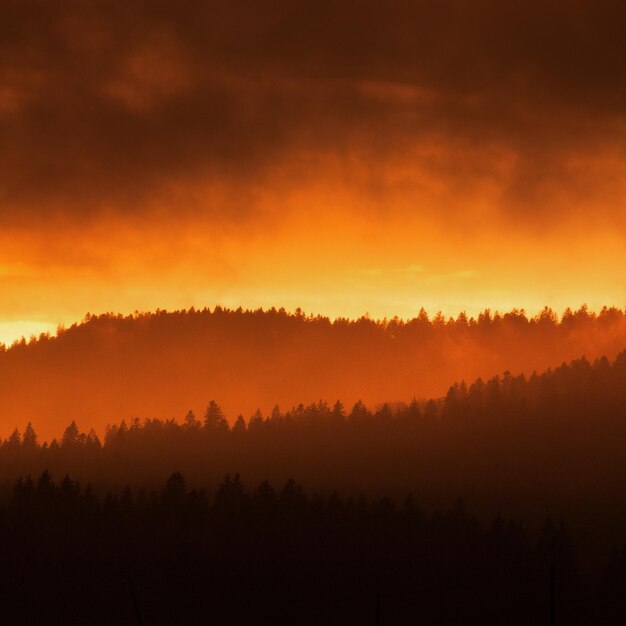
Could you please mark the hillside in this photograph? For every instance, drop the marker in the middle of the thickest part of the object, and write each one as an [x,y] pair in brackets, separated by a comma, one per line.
[110,368]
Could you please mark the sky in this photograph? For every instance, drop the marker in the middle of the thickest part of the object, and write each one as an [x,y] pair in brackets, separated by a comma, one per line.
[339,157]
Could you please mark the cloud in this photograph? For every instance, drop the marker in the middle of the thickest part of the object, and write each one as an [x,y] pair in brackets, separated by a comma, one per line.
[411,269]
[116,107]
[343,157]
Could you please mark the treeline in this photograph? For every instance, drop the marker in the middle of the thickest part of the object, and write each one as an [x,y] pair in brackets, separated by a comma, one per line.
[548,442]
[266,556]
[157,365]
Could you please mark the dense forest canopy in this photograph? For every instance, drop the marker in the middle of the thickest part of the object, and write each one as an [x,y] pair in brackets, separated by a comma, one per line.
[354,511]
[548,443]
[158,365]
[279,554]
[201,544]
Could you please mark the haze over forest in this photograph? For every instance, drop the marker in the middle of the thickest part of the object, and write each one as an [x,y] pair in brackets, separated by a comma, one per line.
[111,368]
[342,158]
[356,275]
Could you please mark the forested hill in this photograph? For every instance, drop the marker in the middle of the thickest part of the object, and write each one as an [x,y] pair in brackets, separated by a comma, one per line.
[556,436]
[110,368]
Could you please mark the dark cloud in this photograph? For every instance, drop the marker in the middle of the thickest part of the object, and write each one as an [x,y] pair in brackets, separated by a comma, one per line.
[105,105]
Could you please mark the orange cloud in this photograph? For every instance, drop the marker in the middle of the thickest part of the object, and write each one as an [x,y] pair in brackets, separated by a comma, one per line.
[455,157]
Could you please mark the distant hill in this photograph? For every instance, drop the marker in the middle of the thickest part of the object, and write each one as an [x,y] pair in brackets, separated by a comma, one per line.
[111,367]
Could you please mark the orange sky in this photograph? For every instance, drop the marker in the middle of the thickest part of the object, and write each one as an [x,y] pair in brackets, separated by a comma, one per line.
[342,159]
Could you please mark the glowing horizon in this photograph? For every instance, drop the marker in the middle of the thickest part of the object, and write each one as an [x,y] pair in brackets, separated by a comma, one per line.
[242,166]
[15,331]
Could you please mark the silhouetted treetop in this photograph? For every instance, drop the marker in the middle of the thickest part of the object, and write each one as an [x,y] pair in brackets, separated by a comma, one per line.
[508,433]
[282,550]
[159,364]
[214,419]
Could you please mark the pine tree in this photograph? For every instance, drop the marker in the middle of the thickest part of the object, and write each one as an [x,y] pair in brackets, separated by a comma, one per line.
[29,439]
[214,419]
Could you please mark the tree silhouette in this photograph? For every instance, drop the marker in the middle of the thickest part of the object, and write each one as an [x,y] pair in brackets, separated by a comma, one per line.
[214,420]
[240,425]
[191,423]
[71,436]
[29,438]
[286,557]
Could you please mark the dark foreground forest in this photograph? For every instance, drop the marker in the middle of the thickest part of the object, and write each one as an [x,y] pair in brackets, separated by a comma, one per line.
[433,512]
[554,438]
[266,556]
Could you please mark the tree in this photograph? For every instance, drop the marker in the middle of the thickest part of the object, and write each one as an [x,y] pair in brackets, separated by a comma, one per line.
[191,423]
[231,497]
[45,486]
[338,413]
[173,494]
[414,409]
[276,415]
[71,435]
[240,425]
[384,414]
[214,419]
[256,421]
[14,440]
[29,439]
[359,412]
[93,441]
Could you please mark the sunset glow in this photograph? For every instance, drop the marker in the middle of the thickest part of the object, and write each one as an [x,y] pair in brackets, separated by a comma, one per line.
[313,312]
[178,169]
[323,258]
